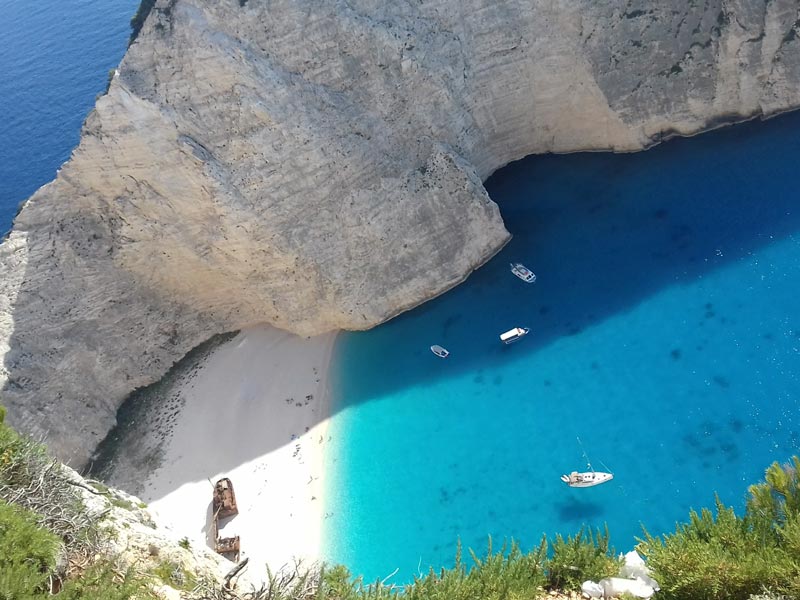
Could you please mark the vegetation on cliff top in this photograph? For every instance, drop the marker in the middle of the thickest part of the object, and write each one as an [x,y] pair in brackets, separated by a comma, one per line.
[721,556]
[50,546]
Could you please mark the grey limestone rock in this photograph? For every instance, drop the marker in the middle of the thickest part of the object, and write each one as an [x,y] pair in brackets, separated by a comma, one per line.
[318,165]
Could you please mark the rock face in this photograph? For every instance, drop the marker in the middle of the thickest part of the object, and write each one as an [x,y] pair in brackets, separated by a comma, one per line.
[318,164]
[132,538]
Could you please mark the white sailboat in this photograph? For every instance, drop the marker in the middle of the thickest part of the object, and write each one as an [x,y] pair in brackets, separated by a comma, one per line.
[586,478]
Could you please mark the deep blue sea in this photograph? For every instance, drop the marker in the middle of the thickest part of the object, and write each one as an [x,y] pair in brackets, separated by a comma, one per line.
[665,343]
[54,59]
[665,334]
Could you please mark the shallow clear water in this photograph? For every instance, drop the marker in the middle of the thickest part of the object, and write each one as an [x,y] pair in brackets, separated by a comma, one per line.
[54,59]
[665,335]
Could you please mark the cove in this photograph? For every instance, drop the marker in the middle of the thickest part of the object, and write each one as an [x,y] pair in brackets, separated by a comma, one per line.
[665,336]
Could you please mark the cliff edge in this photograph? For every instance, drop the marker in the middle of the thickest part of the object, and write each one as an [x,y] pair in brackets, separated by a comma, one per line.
[317,165]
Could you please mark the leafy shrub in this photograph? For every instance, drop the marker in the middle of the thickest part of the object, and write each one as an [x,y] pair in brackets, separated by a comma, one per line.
[102,581]
[584,556]
[174,575]
[31,479]
[509,573]
[721,556]
[41,515]
[27,554]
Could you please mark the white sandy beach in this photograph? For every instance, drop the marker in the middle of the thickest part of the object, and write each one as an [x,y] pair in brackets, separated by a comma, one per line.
[255,412]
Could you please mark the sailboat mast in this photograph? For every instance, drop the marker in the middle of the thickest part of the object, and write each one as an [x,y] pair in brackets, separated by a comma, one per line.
[585,456]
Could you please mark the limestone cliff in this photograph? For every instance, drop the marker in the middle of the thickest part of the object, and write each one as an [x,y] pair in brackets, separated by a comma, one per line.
[318,164]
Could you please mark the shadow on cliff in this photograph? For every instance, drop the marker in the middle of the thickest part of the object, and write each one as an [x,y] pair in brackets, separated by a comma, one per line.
[602,232]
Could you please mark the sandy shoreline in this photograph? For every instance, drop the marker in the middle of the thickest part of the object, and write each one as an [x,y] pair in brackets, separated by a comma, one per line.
[255,411]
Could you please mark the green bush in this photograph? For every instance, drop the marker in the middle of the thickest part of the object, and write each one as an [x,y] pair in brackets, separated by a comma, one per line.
[27,554]
[721,556]
[27,559]
[46,518]
[174,575]
[509,573]
[36,482]
[584,556]
[101,581]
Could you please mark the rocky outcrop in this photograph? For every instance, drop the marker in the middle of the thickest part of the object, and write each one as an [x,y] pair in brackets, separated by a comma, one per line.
[318,164]
[128,535]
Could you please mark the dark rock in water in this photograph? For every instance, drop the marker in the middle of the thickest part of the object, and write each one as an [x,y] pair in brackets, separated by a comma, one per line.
[729,448]
[691,440]
[721,381]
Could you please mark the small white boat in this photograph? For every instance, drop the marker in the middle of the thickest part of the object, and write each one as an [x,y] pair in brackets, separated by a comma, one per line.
[586,479]
[523,272]
[439,351]
[512,335]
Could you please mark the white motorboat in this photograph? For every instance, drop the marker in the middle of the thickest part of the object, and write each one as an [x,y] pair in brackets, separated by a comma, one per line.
[523,272]
[512,335]
[586,479]
[439,351]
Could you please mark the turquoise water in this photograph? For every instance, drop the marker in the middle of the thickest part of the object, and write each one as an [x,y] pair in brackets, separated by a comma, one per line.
[54,59]
[665,335]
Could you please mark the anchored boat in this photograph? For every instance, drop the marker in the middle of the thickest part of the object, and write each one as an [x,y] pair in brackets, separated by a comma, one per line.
[512,335]
[586,479]
[439,351]
[523,272]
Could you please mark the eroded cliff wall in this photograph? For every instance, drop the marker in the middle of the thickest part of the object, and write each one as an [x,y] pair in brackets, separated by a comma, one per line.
[318,164]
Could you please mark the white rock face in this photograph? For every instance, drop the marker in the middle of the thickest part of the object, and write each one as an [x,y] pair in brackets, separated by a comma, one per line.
[317,165]
[132,538]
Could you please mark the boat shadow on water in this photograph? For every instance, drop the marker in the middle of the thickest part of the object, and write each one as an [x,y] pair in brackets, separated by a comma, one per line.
[575,510]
